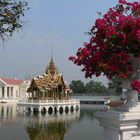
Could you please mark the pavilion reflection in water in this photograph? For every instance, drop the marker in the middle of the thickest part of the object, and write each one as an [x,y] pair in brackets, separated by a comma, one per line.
[51,131]
[48,126]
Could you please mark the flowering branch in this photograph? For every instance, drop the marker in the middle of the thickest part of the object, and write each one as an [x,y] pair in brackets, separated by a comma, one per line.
[115,38]
[136,85]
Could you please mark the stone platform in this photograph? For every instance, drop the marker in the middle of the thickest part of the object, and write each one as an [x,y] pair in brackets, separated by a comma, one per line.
[46,105]
[120,125]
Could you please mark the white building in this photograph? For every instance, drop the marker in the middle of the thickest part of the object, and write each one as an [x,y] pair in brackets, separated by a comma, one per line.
[11,90]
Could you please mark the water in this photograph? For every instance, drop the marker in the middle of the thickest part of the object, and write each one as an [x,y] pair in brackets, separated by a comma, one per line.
[81,125]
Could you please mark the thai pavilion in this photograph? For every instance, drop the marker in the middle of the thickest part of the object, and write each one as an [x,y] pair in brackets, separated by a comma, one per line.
[50,86]
[49,91]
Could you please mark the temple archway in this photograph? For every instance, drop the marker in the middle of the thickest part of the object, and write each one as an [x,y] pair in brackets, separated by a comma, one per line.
[50,110]
[43,111]
[71,108]
[35,110]
[66,109]
[61,110]
[55,110]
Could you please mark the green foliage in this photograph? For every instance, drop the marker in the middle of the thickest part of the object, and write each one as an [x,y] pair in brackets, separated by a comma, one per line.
[11,12]
[115,86]
[90,87]
[95,87]
[77,86]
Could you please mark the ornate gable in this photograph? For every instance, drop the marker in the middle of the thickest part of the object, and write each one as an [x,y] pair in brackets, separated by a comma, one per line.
[49,81]
[51,69]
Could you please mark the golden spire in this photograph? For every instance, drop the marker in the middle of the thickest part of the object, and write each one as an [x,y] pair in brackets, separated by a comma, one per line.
[52,62]
[52,54]
[51,69]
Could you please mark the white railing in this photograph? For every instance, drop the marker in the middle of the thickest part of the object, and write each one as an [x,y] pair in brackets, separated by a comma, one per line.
[50,101]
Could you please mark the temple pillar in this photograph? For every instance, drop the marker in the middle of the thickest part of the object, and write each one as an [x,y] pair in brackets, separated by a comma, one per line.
[28,95]
[10,92]
[5,91]
[53,94]
[35,94]
[32,94]
[56,93]
[39,108]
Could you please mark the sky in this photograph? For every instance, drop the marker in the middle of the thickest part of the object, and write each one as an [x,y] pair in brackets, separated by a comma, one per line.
[60,24]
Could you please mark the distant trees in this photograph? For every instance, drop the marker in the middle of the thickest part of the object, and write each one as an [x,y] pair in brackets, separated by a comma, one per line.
[115,85]
[11,12]
[90,87]
[77,86]
[95,87]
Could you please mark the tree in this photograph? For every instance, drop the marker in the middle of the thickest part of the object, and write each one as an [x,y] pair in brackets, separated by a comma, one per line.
[77,86]
[11,12]
[115,86]
[114,46]
[95,87]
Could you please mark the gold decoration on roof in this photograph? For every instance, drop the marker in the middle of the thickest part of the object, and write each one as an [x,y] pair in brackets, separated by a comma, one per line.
[50,81]
[51,69]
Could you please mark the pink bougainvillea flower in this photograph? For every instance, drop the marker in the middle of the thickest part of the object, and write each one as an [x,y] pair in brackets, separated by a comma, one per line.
[114,39]
[136,85]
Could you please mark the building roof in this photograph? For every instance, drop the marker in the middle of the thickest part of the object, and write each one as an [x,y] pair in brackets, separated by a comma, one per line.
[50,80]
[47,82]
[10,81]
[51,69]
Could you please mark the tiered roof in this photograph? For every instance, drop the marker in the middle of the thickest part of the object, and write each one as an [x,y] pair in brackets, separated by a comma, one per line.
[51,79]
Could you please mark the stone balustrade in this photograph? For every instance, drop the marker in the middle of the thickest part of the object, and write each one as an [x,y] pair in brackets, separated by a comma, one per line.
[49,101]
[40,105]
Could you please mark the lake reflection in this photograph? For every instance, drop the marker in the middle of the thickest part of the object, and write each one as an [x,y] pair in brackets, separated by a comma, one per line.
[48,127]
[50,131]
[78,125]
[7,113]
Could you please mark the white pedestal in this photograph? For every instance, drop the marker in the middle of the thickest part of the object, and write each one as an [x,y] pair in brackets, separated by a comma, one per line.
[120,125]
